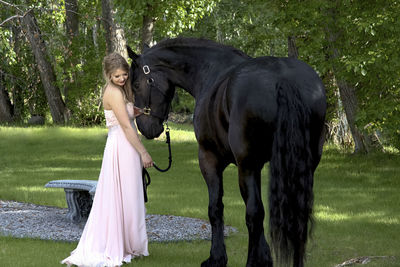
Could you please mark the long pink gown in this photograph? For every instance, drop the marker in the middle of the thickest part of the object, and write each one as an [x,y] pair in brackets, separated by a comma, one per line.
[115,231]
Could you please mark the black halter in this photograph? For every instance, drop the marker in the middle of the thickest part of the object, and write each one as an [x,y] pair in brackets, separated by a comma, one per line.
[151,84]
[147,111]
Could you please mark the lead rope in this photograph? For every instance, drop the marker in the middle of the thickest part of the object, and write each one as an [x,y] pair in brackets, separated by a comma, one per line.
[146,176]
[168,141]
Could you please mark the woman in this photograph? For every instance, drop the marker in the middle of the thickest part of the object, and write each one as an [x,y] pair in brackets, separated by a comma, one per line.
[115,231]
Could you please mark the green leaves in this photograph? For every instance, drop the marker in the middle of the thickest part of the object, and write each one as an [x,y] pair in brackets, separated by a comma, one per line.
[367,39]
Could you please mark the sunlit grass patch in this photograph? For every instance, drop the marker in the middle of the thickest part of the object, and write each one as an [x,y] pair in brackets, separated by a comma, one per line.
[327,214]
[179,133]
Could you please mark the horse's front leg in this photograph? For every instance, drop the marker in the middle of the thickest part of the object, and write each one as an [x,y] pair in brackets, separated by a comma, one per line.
[250,188]
[212,169]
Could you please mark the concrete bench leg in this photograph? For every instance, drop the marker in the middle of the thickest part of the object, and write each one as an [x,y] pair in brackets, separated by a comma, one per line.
[79,204]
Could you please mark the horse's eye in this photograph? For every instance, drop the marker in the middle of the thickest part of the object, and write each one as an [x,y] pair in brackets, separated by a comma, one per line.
[150,80]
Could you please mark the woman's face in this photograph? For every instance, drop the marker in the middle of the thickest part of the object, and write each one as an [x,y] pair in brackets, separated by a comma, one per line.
[119,77]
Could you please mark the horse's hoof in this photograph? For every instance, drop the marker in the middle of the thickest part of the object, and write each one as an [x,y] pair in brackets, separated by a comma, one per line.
[263,264]
[213,263]
[259,263]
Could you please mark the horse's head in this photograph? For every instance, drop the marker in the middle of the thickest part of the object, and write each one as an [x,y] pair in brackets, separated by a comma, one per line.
[153,93]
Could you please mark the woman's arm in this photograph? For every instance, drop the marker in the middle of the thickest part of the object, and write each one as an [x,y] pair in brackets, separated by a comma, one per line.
[114,98]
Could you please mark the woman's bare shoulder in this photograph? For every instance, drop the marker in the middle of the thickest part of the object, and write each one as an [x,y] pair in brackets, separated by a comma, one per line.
[112,92]
[112,89]
[112,95]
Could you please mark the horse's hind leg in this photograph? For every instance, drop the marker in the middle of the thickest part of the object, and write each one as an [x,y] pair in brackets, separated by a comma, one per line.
[212,169]
[259,253]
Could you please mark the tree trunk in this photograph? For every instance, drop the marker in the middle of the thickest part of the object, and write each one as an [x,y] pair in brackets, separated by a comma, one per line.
[292,48]
[71,18]
[347,93]
[147,28]
[120,42]
[72,30]
[95,29]
[17,91]
[108,24]
[349,100]
[6,109]
[114,34]
[48,79]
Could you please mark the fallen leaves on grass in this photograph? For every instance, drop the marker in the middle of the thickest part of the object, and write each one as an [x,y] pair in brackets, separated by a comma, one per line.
[362,260]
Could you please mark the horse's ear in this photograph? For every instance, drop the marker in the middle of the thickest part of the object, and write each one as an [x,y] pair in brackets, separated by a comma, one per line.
[131,54]
[145,47]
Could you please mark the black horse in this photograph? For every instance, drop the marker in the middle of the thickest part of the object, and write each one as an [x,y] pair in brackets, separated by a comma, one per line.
[248,111]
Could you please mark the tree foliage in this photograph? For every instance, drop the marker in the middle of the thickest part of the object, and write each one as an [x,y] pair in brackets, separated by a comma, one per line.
[171,17]
[366,39]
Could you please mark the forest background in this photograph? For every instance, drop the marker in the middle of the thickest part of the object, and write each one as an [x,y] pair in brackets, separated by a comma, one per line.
[52,51]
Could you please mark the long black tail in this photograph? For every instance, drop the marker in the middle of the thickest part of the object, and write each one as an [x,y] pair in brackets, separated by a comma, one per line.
[291,177]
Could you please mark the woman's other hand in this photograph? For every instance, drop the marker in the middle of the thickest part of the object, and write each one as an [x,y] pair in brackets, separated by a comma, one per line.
[146,159]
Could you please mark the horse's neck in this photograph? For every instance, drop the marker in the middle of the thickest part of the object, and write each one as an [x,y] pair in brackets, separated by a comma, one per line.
[198,69]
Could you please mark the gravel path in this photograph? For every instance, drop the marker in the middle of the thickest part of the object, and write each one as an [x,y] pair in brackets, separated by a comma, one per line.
[44,222]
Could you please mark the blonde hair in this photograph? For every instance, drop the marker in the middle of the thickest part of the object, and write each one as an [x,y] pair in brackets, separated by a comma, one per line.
[112,63]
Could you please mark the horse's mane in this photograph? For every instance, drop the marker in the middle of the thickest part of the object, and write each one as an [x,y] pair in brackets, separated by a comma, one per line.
[195,42]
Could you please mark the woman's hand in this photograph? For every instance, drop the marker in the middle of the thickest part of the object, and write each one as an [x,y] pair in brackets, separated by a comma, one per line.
[146,159]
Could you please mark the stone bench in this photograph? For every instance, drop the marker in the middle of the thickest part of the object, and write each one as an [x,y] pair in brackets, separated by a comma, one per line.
[79,195]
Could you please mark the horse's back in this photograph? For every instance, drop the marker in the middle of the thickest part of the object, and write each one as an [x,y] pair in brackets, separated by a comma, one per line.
[261,76]
[252,95]
[253,85]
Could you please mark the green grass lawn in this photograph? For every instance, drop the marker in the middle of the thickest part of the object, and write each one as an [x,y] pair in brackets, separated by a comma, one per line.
[356,207]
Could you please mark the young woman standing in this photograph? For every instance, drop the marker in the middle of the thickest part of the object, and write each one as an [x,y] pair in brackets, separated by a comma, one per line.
[115,231]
